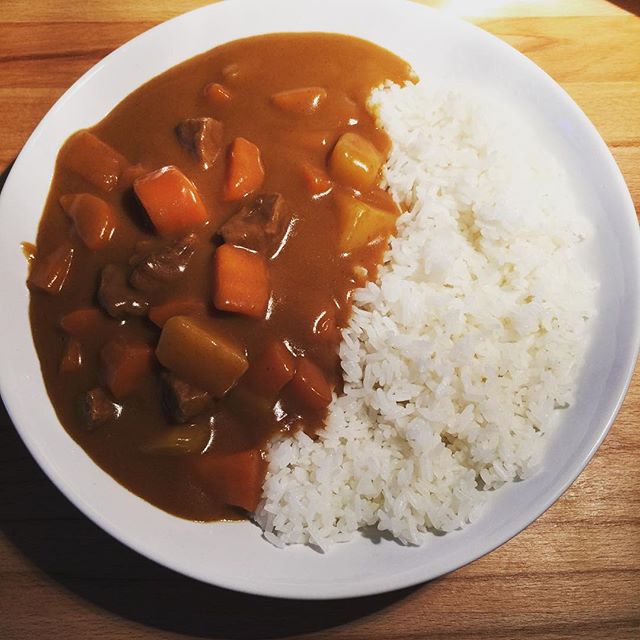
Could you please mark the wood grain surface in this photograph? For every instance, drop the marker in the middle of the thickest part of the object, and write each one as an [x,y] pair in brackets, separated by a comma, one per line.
[575,573]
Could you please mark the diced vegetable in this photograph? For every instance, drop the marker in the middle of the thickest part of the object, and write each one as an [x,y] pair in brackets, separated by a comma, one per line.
[309,385]
[217,93]
[126,364]
[316,180]
[199,351]
[303,101]
[240,281]
[171,201]
[361,223]
[271,370]
[180,440]
[93,160]
[93,218]
[50,272]
[82,323]
[235,478]
[245,173]
[71,360]
[160,313]
[355,162]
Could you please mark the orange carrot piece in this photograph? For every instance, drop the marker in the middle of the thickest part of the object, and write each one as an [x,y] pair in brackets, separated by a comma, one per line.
[93,160]
[303,101]
[71,360]
[240,281]
[216,93]
[233,478]
[126,364]
[316,180]
[82,322]
[272,370]
[245,173]
[93,218]
[50,272]
[309,385]
[171,201]
[160,313]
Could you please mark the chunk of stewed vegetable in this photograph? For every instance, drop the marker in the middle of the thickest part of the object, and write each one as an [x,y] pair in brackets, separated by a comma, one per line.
[302,101]
[355,162]
[271,370]
[245,173]
[235,478]
[93,218]
[201,353]
[126,364]
[240,281]
[361,223]
[309,385]
[94,160]
[171,201]
[49,273]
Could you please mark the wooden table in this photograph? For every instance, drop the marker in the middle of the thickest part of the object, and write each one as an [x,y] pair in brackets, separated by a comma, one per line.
[575,573]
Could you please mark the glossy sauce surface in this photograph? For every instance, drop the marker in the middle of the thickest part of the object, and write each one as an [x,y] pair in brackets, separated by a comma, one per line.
[311,278]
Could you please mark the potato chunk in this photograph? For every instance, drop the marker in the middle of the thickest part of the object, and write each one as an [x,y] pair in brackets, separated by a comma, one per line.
[355,162]
[197,351]
[361,223]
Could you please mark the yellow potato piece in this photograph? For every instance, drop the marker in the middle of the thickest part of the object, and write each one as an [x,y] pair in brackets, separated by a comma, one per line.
[361,224]
[199,352]
[355,162]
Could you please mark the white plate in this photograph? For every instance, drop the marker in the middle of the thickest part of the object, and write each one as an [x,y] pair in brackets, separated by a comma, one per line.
[234,555]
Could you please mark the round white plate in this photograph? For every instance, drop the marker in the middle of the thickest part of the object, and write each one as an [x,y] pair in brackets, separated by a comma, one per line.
[233,554]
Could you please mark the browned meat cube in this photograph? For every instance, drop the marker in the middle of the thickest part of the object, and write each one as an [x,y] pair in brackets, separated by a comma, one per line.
[203,137]
[97,408]
[115,295]
[184,401]
[164,265]
[260,225]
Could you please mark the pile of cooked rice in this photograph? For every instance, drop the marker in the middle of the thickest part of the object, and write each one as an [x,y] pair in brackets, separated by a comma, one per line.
[457,360]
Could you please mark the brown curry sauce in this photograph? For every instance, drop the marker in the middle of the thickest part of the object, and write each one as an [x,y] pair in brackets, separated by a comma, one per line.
[311,279]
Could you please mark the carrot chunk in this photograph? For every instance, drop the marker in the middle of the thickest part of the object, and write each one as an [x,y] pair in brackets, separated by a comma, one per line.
[272,370]
[160,313]
[216,93]
[198,351]
[245,173]
[233,478]
[82,323]
[171,201]
[303,101]
[309,385]
[71,360]
[93,218]
[93,160]
[316,180]
[50,272]
[126,364]
[240,281]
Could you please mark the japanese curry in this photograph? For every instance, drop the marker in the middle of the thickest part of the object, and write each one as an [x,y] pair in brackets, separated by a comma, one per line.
[196,258]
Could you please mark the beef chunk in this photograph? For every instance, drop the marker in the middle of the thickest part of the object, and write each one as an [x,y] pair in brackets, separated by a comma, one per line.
[97,408]
[260,225]
[183,400]
[115,295]
[164,265]
[203,137]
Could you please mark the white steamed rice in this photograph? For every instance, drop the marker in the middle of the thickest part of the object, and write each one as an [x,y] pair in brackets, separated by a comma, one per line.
[457,360]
